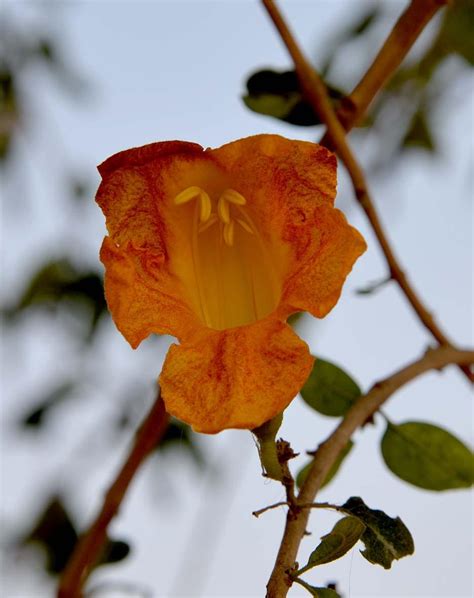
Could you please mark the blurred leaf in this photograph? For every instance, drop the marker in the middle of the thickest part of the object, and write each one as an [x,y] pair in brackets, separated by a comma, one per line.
[321,592]
[80,188]
[456,33]
[427,456]
[364,23]
[45,49]
[56,534]
[114,552]
[385,538]
[278,94]
[343,536]
[60,280]
[295,318]
[418,133]
[35,417]
[8,110]
[301,476]
[373,286]
[329,390]
[272,105]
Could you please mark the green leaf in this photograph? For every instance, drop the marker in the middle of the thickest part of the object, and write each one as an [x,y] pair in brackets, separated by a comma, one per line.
[427,456]
[337,543]
[418,133]
[60,281]
[278,94]
[329,390]
[320,592]
[272,105]
[455,35]
[374,286]
[386,539]
[301,476]
[35,417]
[55,532]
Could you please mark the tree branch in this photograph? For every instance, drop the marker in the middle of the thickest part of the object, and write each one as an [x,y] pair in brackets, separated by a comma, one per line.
[397,45]
[88,549]
[327,452]
[315,91]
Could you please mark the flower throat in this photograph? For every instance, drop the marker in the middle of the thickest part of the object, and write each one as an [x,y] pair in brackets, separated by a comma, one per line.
[234,280]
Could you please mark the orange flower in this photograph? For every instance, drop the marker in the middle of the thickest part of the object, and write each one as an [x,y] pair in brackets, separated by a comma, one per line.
[218,247]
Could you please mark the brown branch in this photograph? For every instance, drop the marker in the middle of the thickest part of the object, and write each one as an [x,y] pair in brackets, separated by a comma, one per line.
[397,45]
[315,91]
[328,451]
[89,547]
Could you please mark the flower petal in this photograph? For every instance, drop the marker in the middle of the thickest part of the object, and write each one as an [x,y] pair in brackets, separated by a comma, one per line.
[141,295]
[316,283]
[129,196]
[150,236]
[290,186]
[235,378]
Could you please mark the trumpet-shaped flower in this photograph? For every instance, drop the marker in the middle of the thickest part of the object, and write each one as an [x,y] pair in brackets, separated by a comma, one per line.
[218,247]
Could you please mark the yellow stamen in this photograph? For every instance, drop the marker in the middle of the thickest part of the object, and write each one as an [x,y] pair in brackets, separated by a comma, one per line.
[234,196]
[206,206]
[223,210]
[205,225]
[187,195]
[245,225]
[229,233]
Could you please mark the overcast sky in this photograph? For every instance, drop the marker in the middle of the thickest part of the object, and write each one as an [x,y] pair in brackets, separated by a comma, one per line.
[176,70]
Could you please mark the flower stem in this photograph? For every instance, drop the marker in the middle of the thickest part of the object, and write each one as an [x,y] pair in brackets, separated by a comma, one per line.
[88,549]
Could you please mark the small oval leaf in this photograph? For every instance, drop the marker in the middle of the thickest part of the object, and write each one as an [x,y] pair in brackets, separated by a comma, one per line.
[301,476]
[427,456]
[334,545]
[329,390]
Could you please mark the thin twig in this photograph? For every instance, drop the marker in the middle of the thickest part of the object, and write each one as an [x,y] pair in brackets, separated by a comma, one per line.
[275,505]
[397,45]
[316,93]
[328,451]
[88,549]
[311,505]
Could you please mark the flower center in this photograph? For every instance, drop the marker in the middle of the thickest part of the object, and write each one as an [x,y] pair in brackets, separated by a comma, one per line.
[233,279]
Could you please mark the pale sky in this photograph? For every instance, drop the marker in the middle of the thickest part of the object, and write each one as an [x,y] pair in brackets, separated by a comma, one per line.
[176,70]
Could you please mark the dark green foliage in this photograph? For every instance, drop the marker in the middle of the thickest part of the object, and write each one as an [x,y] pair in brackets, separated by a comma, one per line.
[59,281]
[278,94]
[344,535]
[56,534]
[386,539]
[329,390]
[8,109]
[320,592]
[373,286]
[300,478]
[427,456]
[418,133]
[35,417]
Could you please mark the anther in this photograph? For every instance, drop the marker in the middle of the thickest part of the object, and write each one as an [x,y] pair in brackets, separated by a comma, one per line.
[187,195]
[234,196]
[205,225]
[205,205]
[223,210]
[244,225]
[228,233]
